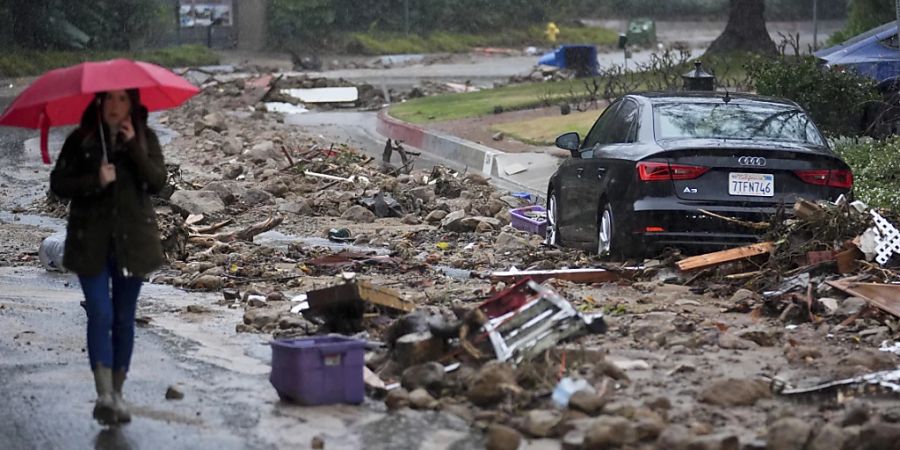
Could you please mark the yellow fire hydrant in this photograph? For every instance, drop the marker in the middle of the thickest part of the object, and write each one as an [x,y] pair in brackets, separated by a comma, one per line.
[551,32]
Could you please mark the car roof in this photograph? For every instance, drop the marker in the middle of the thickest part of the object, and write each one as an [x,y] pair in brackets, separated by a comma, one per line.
[661,97]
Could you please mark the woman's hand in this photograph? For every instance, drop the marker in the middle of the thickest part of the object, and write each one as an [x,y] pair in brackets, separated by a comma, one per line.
[127,129]
[108,173]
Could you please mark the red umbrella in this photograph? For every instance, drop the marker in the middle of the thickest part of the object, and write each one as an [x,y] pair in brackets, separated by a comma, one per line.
[60,96]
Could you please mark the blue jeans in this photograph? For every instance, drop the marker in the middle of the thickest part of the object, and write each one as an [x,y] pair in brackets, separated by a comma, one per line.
[110,330]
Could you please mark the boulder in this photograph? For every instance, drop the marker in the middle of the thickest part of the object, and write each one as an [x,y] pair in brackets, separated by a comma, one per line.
[197,202]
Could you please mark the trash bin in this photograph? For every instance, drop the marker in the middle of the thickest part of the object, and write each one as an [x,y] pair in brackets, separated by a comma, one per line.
[318,371]
[582,59]
[641,32]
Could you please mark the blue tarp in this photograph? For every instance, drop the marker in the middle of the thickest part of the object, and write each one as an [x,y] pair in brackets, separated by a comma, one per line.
[581,58]
[874,53]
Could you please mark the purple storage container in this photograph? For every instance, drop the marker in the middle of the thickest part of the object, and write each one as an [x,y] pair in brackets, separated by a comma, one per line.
[520,221]
[318,370]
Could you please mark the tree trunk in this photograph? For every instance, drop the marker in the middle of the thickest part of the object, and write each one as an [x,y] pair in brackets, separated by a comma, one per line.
[745,31]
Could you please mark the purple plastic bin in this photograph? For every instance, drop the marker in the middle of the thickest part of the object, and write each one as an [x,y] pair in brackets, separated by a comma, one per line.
[522,222]
[319,370]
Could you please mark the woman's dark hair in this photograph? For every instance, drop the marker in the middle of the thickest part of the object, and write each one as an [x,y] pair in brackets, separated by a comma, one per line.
[90,119]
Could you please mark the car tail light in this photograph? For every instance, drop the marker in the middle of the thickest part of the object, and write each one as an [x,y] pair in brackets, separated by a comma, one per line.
[824,177]
[657,171]
[654,229]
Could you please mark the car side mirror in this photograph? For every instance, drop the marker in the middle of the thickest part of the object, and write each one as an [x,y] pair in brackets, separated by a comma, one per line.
[570,141]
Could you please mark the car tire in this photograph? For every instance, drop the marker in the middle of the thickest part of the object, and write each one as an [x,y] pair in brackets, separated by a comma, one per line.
[611,242]
[552,234]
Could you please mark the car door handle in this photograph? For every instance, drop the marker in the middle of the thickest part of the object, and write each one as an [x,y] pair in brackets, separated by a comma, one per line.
[579,172]
[601,171]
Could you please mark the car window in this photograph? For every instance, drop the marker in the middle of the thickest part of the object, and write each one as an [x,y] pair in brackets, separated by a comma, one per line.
[624,126]
[748,121]
[598,132]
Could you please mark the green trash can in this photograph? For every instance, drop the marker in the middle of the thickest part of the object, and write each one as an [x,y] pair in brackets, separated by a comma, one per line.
[642,32]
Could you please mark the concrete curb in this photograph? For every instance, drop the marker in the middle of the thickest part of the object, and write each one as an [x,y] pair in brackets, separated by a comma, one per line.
[491,163]
[463,152]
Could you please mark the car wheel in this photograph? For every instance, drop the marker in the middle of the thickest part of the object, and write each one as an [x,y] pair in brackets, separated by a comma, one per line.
[610,241]
[552,234]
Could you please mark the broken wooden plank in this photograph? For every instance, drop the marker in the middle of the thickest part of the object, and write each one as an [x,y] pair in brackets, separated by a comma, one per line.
[805,209]
[884,296]
[724,256]
[574,275]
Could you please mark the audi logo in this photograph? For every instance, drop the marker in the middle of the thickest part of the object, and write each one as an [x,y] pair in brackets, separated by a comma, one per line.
[755,161]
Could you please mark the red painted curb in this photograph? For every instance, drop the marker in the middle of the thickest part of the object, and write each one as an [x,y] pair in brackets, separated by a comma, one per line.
[399,130]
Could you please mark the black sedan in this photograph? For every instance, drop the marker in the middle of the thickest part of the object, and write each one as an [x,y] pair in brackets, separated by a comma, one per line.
[656,169]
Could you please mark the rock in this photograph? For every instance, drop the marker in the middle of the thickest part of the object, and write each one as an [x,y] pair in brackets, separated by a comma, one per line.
[764,337]
[501,437]
[262,151]
[208,283]
[256,197]
[659,404]
[734,392]
[358,214]
[476,179]
[540,423]
[421,399]
[214,121]
[317,443]
[232,146]
[831,305]
[850,306]
[424,193]
[475,222]
[856,413]
[871,359]
[829,437]
[789,433]
[396,399]
[244,328]
[878,436]
[454,222]
[275,187]
[721,441]
[742,296]
[587,402]
[648,424]
[411,219]
[174,392]
[232,172]
[507,242]
[231,294]
[801,353]
[497,136]
[675,437]
[436,216]
[228,191]
[295,322]
[196,202]
[494,382]
[729,341]
[300,207]
[260,318]
[573,440]
[610,431]
[257,301]
[428,376]
[484,227]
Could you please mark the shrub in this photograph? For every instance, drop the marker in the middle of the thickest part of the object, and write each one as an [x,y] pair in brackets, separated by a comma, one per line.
[836,100]
[876,168]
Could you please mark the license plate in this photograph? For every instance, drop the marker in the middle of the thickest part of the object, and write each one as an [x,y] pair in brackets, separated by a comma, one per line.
[751,184]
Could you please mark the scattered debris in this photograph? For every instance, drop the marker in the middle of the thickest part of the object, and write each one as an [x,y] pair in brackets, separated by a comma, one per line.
[724,256]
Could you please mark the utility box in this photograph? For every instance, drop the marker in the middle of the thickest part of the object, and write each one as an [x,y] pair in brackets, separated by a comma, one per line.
[641,32]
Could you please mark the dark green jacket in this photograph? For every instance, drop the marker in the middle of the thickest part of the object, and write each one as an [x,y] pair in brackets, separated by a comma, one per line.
[118,220]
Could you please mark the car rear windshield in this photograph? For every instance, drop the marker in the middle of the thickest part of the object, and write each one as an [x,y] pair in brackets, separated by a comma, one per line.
[720,120]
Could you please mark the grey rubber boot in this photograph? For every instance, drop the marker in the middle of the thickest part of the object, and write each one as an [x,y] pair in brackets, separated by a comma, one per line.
[119,405]
[103,408]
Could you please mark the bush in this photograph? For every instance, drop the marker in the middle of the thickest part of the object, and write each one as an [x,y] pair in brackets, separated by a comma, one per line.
[876,168]
[26,63]
[836,100]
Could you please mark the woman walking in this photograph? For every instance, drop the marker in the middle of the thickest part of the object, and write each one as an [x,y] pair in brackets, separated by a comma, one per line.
[108,167]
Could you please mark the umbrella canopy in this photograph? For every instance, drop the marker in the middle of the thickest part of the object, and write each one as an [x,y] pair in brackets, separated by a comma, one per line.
[60,96]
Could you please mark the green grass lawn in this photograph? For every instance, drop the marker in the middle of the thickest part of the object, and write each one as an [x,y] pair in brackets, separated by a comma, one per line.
[481,103]
[544,130]
[29,62]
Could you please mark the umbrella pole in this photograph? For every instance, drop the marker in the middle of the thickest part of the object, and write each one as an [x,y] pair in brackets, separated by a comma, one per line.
[103,157]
